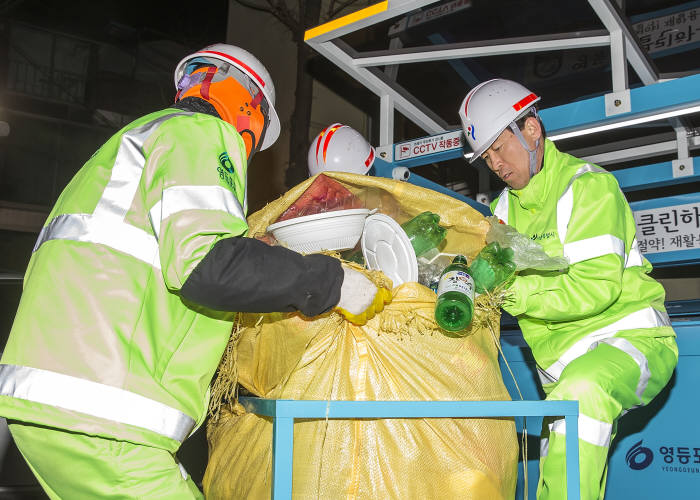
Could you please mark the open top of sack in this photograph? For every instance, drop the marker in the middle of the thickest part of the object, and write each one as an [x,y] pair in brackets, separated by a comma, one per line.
[343,194]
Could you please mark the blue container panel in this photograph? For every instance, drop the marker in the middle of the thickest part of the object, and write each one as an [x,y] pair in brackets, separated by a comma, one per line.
[657,450]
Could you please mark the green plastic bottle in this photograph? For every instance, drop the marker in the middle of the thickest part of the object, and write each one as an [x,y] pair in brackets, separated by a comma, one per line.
[493,266]
[455,303]
[424,232]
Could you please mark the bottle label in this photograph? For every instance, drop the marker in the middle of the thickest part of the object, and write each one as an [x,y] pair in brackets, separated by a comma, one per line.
[456,281]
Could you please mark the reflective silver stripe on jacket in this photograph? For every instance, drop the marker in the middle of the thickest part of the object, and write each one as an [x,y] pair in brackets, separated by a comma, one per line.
[597,246]
[590,430]
[501,210]
[106,225]
[565,205]
[635,256]
[126,171]
[179,198]
[644,318]
[95,399]
[104,231]
[644,374]
[544,444]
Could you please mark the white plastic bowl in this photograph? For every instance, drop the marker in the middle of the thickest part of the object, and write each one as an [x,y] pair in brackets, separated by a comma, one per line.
[339,230]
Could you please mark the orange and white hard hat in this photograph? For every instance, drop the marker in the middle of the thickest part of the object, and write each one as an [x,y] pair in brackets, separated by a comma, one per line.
[340,148]
[489,108]
[240,87]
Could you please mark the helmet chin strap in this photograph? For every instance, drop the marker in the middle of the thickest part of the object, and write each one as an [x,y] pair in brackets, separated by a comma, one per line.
[254,146]
[532,152]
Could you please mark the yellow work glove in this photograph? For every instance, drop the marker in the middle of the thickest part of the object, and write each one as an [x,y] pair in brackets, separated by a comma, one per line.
[360,299]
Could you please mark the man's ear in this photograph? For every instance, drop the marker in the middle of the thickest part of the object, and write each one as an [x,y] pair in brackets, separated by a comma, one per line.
[532,129]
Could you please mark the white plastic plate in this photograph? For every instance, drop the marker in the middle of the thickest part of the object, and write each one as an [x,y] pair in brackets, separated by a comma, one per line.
[386,248]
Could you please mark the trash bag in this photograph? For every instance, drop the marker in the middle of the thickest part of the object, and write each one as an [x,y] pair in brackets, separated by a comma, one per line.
[398,355]
[527,254]
[323,195]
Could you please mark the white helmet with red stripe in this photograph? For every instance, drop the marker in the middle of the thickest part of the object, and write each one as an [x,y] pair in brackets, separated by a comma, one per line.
[248,64]
[340,148]
[489,108]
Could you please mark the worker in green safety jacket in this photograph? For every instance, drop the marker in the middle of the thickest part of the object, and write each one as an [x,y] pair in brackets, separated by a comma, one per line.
[127,299]
[598,330]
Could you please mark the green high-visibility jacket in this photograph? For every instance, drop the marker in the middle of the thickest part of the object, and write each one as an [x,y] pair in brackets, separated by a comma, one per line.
[105,340]
[576,209]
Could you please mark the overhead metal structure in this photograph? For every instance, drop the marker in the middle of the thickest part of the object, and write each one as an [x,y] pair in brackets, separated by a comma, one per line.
[365,67]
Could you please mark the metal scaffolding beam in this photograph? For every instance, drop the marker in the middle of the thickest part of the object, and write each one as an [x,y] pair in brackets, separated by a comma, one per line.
[484,48]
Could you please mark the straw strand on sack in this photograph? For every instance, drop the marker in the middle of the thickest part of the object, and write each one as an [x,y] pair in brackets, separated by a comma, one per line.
[225,386]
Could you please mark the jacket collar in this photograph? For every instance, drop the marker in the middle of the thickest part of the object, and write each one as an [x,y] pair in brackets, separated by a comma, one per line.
[196,105]
[533,195]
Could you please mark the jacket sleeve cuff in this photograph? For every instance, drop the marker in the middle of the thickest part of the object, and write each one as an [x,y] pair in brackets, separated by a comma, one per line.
[516,301]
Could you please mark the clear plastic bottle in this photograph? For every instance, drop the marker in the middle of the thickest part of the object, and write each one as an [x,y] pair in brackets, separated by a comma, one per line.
[454,307]
[424,232]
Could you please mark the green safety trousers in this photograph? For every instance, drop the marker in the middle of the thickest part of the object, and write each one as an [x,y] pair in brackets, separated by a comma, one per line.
[605,381]
[74,466]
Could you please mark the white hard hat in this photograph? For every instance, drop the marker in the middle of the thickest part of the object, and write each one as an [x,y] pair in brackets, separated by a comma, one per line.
[248,64]
[340,148]
[489,108]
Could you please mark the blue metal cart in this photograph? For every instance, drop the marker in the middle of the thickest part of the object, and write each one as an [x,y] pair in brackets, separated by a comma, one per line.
[284,411]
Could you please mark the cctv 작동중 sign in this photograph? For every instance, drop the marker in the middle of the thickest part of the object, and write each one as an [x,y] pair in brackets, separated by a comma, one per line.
[428,145]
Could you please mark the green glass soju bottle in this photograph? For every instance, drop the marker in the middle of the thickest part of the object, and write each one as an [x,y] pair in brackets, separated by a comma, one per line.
[455,303]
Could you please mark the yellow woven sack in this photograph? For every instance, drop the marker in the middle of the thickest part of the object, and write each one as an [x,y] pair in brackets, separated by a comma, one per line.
[398,355]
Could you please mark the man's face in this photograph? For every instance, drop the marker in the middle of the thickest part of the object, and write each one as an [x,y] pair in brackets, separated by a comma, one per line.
[509,160]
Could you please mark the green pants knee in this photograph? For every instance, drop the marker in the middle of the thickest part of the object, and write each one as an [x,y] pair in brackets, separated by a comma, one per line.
[74,466]
[617,375]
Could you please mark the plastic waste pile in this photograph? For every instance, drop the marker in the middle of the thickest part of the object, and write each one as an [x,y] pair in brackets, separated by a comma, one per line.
[327,216]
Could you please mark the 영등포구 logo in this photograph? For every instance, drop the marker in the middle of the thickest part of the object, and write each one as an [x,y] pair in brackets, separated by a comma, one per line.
[227,171]
[639,457]
[225,162]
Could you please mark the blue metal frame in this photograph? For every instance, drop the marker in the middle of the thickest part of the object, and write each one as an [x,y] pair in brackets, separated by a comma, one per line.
[384,169]
[654,175]
[651,99]
[284,411]
[689,308]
